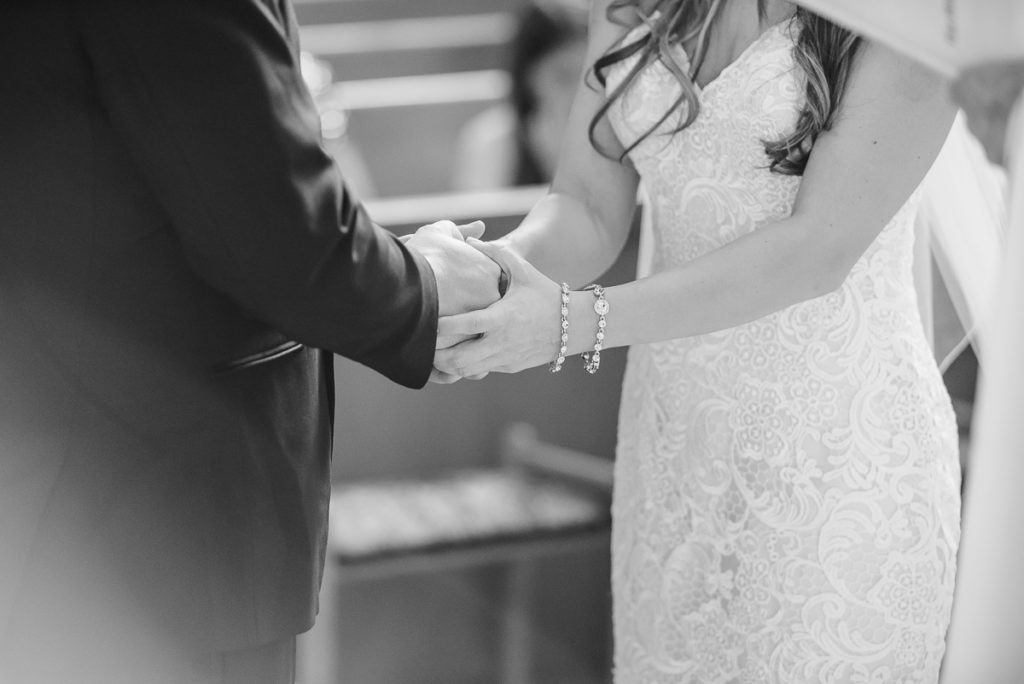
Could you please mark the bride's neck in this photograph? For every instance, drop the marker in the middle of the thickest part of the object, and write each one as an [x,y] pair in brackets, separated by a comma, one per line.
[776,11]
[741,19]
[737,27]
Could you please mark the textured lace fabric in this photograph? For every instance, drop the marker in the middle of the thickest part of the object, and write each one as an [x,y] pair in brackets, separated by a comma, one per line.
[787,491]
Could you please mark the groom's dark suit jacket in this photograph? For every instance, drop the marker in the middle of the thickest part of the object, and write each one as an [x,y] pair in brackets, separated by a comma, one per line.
[176,249]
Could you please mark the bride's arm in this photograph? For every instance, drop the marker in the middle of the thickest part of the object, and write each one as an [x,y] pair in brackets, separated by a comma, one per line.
[578,229]
[894,120]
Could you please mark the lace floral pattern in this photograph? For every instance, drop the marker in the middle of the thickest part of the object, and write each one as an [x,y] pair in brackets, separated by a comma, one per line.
[787,491]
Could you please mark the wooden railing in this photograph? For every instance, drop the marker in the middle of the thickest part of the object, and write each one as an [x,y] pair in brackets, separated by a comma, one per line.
[408,47]
[407,129]
[311,12]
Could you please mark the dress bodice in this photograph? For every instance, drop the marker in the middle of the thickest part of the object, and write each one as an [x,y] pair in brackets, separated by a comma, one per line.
[711,183]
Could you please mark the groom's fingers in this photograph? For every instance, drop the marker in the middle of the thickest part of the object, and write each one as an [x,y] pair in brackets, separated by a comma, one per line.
[446,342]
[444,227]
[439,378]
[501,256]
[466,360]
[498,252]
[472,357]
[471,230]
[465,325]
[511,264]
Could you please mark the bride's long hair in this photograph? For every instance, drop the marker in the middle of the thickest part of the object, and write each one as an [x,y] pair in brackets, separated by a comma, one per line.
[824,51]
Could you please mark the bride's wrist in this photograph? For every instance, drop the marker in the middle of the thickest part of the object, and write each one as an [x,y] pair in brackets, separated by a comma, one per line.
[580,328]
[508,243]
[582,322]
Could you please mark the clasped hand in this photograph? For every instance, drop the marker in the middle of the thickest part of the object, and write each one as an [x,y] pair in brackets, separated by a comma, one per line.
[480,331]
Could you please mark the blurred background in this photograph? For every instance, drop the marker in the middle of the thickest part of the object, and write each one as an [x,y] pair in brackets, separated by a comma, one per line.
[469,533]
[454,556]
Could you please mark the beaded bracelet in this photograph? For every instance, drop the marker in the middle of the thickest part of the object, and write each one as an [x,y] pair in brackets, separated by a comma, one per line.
[556,365]
[592,360]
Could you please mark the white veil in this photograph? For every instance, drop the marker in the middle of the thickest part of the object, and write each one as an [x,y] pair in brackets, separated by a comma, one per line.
[963,215]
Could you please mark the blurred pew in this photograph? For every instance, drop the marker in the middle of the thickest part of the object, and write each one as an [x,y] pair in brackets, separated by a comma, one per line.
[385,433]
[385,430]
[409,47]
[544,502]
[406,128]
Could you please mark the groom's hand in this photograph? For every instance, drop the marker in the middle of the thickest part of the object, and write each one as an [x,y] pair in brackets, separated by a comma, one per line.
[474,229]
[515,333]
[467,279]
[466,231]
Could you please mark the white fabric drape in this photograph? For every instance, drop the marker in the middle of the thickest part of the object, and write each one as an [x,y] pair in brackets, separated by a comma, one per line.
[945,35]
[963,212]
[988,617]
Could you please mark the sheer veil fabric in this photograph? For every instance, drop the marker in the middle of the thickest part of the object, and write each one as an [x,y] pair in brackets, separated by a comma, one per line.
[963,213]
[984,642]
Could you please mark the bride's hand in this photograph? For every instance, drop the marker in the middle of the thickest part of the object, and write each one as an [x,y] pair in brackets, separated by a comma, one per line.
[519,331]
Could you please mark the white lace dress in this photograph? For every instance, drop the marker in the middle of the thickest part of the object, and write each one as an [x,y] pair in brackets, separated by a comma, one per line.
[787,491]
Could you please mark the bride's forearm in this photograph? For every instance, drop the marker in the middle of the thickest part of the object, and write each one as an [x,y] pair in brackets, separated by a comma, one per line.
[566,240]
[755,275]
[758,274]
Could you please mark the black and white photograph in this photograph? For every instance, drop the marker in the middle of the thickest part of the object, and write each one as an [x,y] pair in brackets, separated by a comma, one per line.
[511,341]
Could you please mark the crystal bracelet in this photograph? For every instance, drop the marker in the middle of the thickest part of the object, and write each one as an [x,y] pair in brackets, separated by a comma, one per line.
[556,365]
[592,360]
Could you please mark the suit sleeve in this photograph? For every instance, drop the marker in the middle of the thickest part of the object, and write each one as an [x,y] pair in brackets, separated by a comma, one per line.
[209,99]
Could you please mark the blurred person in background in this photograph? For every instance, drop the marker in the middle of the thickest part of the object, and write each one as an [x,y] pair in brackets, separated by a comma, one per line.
[178,258]
[517,143]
